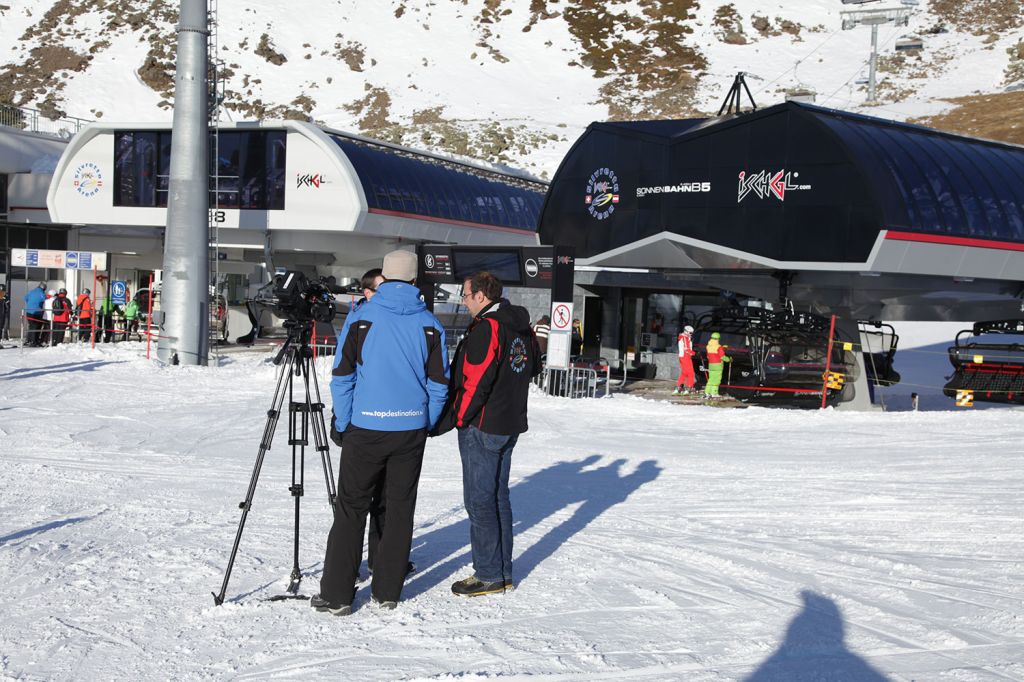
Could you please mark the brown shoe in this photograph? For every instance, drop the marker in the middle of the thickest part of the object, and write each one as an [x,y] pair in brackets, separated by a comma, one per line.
[471,587]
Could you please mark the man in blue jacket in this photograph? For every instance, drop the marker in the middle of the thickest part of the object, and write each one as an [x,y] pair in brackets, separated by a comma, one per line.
[34,314]
[389,386]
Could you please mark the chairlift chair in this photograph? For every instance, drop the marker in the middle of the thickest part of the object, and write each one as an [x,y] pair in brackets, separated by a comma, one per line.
[991,372]
[778,356]
[909,42]
[878,361]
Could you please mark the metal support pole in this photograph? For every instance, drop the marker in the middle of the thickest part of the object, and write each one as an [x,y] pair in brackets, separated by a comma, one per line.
[828,362]
[184,332]
[874,63]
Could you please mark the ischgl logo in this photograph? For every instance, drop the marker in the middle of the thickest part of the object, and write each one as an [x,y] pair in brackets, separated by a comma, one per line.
[602,193]
[766,184]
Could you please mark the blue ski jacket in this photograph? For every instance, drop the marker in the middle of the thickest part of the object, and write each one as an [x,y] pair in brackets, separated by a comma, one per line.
[34,301]
[391,364]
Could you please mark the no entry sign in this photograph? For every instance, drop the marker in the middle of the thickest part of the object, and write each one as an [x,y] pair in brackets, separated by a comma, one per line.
[561,317]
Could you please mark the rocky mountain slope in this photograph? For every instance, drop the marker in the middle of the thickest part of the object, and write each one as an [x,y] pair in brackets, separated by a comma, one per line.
[513,81]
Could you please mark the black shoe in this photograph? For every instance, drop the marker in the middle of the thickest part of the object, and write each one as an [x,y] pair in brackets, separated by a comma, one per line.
[471,587]
[337,609]
[509,585]
[385,604]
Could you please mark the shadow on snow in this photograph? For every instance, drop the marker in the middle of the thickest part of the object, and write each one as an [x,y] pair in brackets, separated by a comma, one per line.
[534,499]
[33,372]
[43,528]
[814,649]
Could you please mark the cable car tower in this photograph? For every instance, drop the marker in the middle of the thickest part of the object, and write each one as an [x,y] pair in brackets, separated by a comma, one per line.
[899,16]
[215,96]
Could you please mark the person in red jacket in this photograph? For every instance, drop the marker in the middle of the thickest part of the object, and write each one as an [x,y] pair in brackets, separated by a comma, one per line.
[685,384]
[61,315]
[83,308]
[491,375]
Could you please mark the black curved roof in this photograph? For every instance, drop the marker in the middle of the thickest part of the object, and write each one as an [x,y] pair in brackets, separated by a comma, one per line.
[793,182]
[400,181]
[933,182]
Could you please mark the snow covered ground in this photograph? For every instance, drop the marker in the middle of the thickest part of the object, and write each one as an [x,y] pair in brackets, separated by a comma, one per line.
[653,541]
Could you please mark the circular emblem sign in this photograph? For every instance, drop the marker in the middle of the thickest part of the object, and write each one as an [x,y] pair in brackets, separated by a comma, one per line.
[517,356]
[87,179]
[602,193]
[428,260]
[531,267]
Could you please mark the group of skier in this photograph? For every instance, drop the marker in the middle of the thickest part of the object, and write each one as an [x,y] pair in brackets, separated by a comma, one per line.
[716,359]
[50,315]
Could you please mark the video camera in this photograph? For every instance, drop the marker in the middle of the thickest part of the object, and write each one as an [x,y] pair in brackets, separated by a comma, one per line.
[291,295]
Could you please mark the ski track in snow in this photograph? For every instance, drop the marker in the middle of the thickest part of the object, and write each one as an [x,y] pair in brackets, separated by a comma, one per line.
[653,541]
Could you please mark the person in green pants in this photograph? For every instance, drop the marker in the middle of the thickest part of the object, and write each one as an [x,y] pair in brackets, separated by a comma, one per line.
[131,319]
[716,361]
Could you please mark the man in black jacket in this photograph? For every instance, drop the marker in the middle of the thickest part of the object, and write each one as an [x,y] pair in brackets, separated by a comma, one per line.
[491,376]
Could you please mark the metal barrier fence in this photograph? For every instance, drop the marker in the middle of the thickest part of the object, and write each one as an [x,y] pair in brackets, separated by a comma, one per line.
[36,121]
[575,382]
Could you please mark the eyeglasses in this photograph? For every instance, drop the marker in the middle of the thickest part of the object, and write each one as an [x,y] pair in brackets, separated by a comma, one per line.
[466,295]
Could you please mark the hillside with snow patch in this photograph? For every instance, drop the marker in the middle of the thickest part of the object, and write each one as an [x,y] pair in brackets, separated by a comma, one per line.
[512,82]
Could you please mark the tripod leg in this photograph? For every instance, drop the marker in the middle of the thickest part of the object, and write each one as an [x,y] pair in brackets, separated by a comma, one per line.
[298,440]
[320,436]
[268,436]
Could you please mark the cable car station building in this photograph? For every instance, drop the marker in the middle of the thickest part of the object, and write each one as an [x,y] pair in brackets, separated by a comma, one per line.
[284,194]
[794,206]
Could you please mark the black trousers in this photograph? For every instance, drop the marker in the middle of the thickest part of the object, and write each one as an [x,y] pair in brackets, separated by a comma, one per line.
[367,458]
[36,329]
[107,331]
[378,519]
[84,328]
[58,332]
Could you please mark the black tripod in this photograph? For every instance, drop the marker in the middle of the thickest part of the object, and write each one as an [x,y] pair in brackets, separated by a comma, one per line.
[297,357]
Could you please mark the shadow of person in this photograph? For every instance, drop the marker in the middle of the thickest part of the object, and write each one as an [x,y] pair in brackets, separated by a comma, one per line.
[534,499]
[42,528]
[33,372]
[814,649]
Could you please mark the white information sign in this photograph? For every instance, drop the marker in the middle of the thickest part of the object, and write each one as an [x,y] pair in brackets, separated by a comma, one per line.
[558,349]
[69,260]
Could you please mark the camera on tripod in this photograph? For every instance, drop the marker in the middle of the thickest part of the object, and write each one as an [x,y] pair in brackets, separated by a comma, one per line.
[301,302]
[294,297]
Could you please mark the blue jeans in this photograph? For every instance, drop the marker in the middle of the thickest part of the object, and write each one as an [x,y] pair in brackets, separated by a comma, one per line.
[486,462]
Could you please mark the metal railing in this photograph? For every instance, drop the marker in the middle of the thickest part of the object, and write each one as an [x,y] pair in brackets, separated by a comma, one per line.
[36,121]
[575,382]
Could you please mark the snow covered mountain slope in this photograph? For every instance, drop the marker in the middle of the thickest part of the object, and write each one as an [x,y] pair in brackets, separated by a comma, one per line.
[510,81]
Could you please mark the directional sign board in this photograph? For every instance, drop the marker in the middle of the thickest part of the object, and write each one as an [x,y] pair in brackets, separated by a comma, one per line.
[69,260]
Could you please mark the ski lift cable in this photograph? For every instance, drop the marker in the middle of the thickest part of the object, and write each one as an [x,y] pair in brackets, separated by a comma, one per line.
[798,62]
[892,33]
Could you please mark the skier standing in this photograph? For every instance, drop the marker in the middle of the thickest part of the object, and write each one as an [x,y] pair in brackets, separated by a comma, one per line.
[716,361]
[34,301]
[61,310]
[685,384]
[83,309]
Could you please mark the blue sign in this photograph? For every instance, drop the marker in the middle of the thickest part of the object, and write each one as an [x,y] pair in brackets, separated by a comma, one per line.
[85,260]
[32,258]
[119,292]
[71,260]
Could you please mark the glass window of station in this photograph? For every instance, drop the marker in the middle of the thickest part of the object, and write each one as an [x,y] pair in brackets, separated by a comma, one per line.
[247,169]
[400,181]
